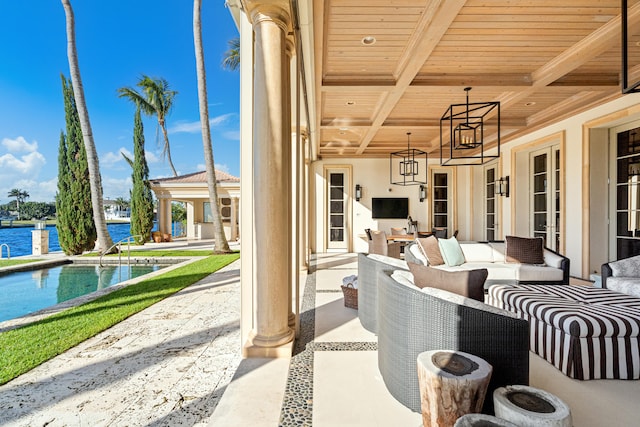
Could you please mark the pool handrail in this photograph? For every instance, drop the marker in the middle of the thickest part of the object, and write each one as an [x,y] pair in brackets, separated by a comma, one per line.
[8,250]
[119,243]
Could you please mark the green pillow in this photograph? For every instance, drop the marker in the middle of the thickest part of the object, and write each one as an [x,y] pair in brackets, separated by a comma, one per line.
[451,251]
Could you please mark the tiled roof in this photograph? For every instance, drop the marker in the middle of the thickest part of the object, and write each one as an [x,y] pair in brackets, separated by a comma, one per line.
[198,177]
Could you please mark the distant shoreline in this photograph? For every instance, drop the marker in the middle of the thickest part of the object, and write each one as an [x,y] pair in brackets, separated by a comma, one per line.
[5,223]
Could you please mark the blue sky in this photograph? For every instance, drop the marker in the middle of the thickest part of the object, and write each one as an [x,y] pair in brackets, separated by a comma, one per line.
[117,42]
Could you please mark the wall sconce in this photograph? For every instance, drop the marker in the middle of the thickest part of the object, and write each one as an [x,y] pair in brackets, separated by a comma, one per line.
[423,193]
[358,192]
[502,186]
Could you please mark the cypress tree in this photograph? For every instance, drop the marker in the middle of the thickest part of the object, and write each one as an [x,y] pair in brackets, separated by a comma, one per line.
[76,228]
[141,196]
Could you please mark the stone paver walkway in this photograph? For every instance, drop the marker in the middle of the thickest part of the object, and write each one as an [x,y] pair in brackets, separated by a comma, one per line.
[167,365]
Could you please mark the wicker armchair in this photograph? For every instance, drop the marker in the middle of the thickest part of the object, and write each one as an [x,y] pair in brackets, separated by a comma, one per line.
[411,321]
[370,268]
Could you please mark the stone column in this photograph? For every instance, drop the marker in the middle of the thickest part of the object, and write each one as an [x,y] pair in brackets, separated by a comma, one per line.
[164,215]
[272,145]
[291,159]
[234,218]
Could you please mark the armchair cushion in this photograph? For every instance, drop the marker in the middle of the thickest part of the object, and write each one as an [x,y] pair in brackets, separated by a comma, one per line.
[525,250]
[626,285]
[467,283]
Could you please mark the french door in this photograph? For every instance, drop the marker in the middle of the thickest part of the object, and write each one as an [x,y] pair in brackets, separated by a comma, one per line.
[442,200]
[337,219]
[544,181]
[625,192]
[490,208]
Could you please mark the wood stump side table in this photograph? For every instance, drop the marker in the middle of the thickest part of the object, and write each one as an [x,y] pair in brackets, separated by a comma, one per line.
[530,407]
[482,420]
[452,384]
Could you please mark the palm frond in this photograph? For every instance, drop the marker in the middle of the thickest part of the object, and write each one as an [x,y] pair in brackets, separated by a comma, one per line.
[231,60]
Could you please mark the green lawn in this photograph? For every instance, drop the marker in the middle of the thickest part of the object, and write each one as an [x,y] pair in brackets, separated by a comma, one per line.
[10,262]
[27,347]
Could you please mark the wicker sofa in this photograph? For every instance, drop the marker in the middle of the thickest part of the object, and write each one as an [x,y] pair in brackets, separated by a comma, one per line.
[491,255]
[370,268]
[412,320]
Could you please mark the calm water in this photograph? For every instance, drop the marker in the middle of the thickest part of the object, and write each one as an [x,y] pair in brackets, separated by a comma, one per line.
[28,291]
[19,238]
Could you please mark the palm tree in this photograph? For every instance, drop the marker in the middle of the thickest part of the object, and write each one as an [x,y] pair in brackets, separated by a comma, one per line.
[231,59]
[104,238]
[20,196]
[155,99]
[221,244]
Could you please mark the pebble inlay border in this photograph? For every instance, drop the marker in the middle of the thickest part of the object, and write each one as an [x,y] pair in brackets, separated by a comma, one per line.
[297,404]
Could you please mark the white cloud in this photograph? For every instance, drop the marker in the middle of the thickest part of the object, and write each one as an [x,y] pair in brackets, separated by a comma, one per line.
[195,127]
[112,158]
[233,135]
[112,187]
[19,145]
[151,157]
[39,191]
[220,119]
[186,127]
[29,164]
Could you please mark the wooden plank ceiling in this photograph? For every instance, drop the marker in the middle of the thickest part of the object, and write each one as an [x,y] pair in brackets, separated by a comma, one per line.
[388,67]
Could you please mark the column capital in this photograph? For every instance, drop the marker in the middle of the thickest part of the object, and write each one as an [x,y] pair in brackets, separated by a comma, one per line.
[290,46]
[268,10]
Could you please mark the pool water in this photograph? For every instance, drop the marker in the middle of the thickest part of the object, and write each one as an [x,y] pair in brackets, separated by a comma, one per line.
[24,292]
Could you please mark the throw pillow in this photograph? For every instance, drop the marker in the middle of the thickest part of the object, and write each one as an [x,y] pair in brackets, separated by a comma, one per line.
[525,250]
[468,283]
[431,249]
[628,267]
[451,251]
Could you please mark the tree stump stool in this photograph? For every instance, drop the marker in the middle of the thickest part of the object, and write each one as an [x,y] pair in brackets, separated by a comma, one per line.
[482,420]
[452,384]
[528,406]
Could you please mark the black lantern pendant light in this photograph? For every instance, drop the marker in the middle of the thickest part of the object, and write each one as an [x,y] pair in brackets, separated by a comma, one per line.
[463,129]
[630,48]
[408,167]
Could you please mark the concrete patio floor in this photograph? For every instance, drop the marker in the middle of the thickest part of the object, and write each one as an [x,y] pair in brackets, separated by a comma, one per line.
[178,363]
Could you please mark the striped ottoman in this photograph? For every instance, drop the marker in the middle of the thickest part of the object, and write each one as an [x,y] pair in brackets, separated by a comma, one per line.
[587,333]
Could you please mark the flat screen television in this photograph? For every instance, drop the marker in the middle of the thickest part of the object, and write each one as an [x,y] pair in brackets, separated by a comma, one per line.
[389,207]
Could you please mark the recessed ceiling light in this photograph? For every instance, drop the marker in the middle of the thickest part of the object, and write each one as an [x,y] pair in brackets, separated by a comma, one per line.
[368,40]
[529,104]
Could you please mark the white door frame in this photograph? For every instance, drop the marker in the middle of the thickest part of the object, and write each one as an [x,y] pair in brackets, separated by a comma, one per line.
[345,244]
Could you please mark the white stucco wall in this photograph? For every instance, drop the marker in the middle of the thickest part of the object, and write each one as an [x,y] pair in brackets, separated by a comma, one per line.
[373,176]
[573,131]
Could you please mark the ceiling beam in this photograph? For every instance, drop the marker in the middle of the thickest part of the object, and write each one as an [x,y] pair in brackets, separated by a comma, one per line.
[492,79]
[588,48]
[434,23]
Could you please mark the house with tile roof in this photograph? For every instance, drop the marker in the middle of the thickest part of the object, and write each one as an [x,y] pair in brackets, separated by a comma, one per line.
[191,189]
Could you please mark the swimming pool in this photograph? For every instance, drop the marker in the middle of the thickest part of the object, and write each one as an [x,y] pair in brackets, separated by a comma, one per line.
[25,292]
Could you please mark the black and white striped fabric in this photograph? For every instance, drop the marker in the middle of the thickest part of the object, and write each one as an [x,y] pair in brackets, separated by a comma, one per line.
[587,333]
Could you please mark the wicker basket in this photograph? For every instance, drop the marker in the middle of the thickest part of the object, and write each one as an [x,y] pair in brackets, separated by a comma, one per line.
[350,296]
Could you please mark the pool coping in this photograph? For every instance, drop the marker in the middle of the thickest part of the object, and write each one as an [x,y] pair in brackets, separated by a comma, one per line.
[54,309]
